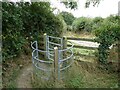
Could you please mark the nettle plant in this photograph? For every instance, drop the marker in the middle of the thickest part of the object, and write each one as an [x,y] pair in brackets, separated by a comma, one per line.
[107,34]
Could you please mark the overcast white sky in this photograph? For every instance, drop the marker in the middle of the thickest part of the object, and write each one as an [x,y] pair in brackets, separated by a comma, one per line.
[105,8]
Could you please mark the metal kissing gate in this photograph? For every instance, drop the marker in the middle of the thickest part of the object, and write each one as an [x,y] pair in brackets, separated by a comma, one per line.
[54,60]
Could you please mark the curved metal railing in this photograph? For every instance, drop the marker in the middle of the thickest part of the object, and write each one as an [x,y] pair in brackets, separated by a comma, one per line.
[37,62]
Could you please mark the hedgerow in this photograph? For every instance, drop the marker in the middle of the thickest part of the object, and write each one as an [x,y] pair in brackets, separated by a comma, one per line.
[82,24]
[107,34]
[23,22]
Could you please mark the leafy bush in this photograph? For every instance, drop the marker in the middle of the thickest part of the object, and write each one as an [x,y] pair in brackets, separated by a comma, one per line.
[63,22]
[82,23]
[107,33]
[12,27]
[23,22]
[38,19]
[68,17]
[96,22]
[69,28]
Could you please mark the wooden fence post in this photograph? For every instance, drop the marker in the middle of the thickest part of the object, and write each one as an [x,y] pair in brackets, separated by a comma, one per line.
[56,64]
[64,52]
[45,45]
[64,46]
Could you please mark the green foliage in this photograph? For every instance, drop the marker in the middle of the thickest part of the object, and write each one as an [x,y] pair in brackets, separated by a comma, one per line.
[68,17]
[63,22]
[12,27]
[107,33]
[38,18]
[93,2]
[74,5]
[82,23]
[70,4]
[69,28]
[23,22]
[96,22]
[76,82]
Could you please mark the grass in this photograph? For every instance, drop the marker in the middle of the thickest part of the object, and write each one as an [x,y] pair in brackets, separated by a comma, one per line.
[85,54]
[79,35]
[84,51]
[89,76]
[82,75]
[12,79]
[9,76]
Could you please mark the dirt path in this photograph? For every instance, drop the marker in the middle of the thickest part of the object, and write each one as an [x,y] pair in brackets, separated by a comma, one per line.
[24,79]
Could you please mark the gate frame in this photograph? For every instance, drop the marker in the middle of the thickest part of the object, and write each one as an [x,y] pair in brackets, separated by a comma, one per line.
[57,60]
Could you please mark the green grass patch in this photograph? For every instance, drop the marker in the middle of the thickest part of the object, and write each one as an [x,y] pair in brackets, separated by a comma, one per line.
[81,75]
[12,78]
[79,35]
[84,51]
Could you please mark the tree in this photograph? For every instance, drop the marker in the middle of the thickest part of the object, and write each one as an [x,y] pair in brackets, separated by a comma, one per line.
[68,17]
[97,21]
[82,23]
[72,4]
[94,2]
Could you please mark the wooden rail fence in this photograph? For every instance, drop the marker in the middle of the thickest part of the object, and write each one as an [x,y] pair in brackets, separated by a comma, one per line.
[42,43]
[82,47]
[82,39]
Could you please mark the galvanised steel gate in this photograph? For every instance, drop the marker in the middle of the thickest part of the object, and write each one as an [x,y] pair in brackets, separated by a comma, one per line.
[54,60]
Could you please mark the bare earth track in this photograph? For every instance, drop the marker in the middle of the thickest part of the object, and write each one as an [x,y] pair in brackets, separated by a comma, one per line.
[24,79]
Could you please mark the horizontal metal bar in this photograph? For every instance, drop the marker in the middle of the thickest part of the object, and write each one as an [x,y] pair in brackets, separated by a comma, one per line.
[54,37]
[62,60]
[54,43]
[67,66]
[51,59]
[71,46]
[42,61]
[46,70]
[50,54]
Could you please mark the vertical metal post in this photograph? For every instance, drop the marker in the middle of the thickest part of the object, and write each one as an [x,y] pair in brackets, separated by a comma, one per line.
[56,64]
[48,46]
[45,45]
[36,49]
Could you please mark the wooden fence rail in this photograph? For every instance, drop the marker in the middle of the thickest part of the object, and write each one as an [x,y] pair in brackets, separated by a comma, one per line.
[82,39]
[81,46]
[84,47]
